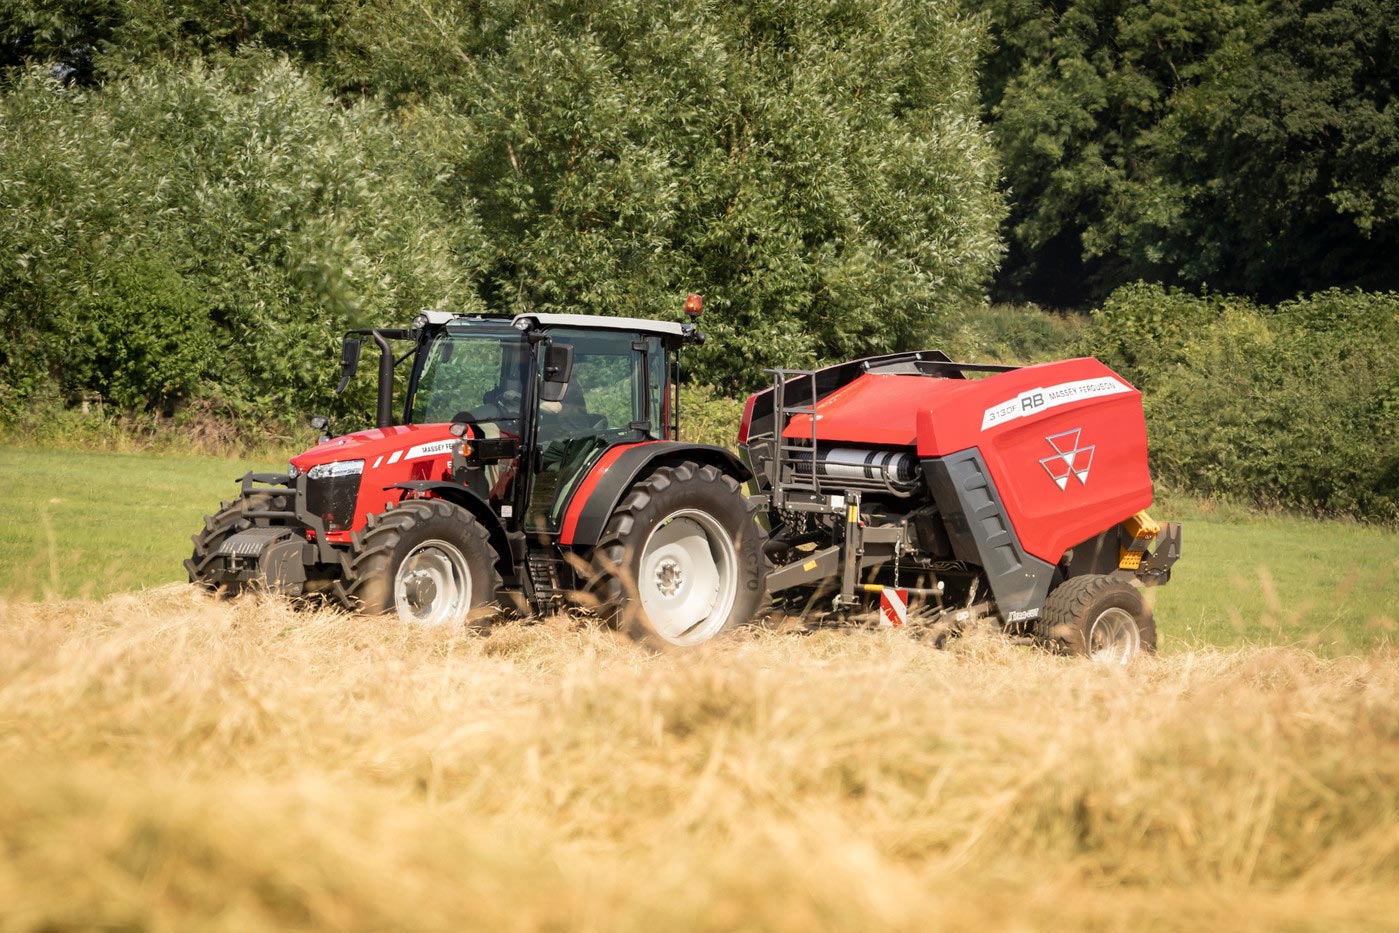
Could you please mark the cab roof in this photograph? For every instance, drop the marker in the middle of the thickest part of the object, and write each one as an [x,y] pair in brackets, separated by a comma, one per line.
[641,325]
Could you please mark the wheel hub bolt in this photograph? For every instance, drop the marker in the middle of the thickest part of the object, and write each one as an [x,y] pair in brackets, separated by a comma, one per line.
[420,589]
[669,577]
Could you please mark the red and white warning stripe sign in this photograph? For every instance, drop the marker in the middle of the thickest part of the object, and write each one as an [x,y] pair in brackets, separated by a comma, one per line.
[893,607]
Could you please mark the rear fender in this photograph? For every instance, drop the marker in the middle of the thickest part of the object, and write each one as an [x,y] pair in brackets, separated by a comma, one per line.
[618,469]
[473,503]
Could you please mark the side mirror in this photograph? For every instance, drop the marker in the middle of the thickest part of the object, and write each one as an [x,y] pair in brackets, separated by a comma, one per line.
[558,370]
[349,362]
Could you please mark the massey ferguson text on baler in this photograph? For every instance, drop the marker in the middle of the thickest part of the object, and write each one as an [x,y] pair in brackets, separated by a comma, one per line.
[537,458]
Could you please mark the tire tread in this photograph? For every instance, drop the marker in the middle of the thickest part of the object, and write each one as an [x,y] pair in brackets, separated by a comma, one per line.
[1065,613]
[372,551]
[610,554]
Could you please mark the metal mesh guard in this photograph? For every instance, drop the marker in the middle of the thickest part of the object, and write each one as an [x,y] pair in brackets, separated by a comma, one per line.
[252,542]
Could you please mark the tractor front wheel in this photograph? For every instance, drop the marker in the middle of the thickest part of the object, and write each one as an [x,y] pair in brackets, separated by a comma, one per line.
[427,560]
[681,558]
[1098,616]
[203,565]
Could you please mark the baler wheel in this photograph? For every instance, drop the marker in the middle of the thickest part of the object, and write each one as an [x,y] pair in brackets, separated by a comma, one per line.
[1099,617]
[217,527]
[426,559]
[681,559]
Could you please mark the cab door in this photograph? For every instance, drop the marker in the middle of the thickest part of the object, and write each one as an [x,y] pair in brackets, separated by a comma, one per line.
[609,400]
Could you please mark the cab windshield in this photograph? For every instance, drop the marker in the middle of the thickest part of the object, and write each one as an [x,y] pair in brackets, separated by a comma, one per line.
[476,375]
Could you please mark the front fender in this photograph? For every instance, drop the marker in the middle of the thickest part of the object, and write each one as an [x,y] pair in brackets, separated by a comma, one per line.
[458,494]
[599,493]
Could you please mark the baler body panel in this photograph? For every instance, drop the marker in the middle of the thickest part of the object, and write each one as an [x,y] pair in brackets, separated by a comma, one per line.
[1065,444]
[876,409]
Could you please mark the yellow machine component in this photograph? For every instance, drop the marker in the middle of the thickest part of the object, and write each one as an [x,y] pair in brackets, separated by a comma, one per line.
[1143,529]
[1142,525]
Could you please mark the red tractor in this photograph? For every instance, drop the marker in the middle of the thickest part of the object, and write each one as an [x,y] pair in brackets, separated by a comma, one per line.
[537,458]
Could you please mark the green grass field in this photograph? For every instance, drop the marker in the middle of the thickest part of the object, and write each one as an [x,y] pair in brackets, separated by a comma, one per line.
[90,523]
[85,523]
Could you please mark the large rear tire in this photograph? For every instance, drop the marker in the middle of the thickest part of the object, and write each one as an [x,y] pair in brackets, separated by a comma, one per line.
[681,559]
[427,560]
[1099,617]
[231,518]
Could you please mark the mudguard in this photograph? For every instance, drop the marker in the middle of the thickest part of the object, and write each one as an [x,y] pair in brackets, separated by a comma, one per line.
[473,503]
[597,496]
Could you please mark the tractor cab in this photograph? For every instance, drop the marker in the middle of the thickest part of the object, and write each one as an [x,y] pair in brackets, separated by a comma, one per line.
[549,393]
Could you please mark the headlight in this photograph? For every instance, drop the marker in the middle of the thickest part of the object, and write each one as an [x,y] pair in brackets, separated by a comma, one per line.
[292,471]
[339,468]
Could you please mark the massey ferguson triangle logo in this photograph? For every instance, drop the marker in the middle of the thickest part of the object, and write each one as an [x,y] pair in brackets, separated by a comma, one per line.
[1068,459]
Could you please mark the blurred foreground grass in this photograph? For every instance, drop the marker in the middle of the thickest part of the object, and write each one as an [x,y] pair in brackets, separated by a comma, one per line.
[168,762]
[88,523]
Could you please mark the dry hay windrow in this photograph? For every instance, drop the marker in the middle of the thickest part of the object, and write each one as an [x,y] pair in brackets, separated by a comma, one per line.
[170,762]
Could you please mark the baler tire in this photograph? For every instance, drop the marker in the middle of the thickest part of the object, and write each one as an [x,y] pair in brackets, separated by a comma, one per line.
[693,500]
[1081,607]
[217,528]
[431,530]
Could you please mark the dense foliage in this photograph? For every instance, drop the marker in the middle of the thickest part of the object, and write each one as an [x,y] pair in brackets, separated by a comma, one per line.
[208,231]
[1295,405]
[1248,146]
[195,196]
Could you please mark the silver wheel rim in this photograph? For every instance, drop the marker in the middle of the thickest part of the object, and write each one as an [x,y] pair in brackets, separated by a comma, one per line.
[688,577]
[432,585]
[1114,638]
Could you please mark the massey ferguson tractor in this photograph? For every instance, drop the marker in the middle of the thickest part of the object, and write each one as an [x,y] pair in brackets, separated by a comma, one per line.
[536,458]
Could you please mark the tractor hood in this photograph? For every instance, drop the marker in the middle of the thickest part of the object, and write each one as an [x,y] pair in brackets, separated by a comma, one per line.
[377,463]
[381,446]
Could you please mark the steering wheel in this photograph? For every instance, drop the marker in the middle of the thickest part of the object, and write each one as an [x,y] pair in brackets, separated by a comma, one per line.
[502,405]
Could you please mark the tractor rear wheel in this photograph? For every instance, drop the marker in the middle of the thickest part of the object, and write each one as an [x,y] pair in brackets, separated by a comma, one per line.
[681,559]
[428,560]
[228,520]
[1099,617]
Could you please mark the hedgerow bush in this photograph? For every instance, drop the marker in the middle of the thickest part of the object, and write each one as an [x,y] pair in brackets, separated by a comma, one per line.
[207,232]
[1292,406]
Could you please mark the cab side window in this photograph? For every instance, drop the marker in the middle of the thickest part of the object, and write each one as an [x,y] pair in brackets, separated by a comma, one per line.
[604,395]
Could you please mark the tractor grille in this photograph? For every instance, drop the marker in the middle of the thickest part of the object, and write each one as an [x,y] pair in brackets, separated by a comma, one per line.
[332,499]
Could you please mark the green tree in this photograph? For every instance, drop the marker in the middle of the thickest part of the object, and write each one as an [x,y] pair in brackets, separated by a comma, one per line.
[191,230]
[818,170]
[1280,174]
[1244,146]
